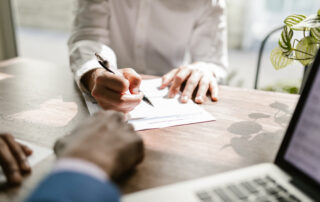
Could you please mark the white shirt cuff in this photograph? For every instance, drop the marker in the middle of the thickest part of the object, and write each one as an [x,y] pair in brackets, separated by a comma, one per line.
[82,58]
[80,166]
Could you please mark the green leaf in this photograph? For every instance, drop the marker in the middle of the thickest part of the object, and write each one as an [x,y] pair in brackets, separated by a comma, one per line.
[315,32]
[285,40]
[319,12]
[294,19]
[279,60]
[306,50]
[312,21]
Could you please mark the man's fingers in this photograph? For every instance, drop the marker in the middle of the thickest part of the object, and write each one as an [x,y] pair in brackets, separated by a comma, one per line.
[192,83]
[167,78]
[214,90]
[179,78]
[113,82]
[134,79]
[18,153]
[9,164]
[202,90]
[26,149]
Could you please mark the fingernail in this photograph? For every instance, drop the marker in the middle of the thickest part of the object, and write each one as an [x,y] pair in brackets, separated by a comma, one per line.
[199,99]
[171,95]
[184,99]
[25,166]
[215,99]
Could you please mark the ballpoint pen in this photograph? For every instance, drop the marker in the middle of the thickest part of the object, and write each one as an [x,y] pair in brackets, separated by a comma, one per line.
[105,64]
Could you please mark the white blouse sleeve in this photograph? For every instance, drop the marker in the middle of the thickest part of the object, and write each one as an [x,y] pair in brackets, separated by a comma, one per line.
[90,34]
[208,43]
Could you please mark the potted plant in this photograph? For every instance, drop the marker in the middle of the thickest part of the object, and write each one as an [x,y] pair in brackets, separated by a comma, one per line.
[291,49]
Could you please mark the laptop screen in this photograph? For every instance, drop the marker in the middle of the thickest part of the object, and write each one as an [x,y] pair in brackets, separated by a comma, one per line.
[303,150]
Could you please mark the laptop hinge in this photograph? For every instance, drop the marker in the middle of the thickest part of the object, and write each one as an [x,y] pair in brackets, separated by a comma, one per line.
[306,188]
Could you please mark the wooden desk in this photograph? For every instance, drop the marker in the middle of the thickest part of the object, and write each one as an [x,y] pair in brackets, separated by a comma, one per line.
[40,103]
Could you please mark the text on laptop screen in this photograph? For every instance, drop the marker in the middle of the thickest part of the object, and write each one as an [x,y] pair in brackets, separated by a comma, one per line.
[304,148]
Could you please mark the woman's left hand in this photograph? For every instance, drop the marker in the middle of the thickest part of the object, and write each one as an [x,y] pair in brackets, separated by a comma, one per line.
[195,76]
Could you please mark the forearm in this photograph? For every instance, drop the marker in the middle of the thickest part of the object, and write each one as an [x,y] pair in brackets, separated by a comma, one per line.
[90,34]
[82,59]
[209,41]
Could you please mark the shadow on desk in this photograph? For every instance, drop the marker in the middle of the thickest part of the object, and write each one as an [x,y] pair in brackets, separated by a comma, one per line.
[251,132]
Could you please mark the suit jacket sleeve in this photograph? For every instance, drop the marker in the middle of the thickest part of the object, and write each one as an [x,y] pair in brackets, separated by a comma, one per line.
[71,186]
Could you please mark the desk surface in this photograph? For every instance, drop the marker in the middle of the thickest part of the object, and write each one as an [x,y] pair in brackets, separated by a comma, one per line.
[40,103]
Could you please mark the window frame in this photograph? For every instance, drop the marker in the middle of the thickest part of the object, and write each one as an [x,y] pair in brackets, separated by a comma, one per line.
[8,44]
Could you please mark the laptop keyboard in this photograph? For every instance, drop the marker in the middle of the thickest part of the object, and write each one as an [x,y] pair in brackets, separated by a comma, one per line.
[256,190]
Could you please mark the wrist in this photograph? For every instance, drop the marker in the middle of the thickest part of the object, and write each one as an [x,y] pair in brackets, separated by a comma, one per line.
[88,79]
[105,163]
[80,166]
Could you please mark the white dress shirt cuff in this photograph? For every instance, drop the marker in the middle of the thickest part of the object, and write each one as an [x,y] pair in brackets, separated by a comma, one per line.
[83,60]
[86,67]
[80,166]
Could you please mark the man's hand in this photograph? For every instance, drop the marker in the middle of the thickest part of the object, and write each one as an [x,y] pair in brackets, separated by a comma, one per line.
[193,76]
[13,159]
[110,89]
[105,140]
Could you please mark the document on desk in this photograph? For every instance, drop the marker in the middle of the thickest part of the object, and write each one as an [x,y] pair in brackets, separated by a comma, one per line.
[39,153]
[165,113]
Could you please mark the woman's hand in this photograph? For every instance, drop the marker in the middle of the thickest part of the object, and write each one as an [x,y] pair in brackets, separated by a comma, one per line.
[193,76]
[110,90]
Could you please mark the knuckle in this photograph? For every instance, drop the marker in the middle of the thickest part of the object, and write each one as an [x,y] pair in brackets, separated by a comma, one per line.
[179,78]
[214,84]
[7,137]
[123,84]
[2,143]
[139,78]
[205,82]
[99,79]
[130,127]
[116,116]
[11,164]
[121,103]
[192,83]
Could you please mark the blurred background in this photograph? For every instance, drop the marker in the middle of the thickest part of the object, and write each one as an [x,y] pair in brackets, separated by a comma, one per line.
[43,27]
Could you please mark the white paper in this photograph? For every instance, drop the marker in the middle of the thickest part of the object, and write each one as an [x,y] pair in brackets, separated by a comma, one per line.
[166,111]
[38,154]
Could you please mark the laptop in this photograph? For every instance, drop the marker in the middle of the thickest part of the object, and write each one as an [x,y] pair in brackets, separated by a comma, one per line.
[294,176]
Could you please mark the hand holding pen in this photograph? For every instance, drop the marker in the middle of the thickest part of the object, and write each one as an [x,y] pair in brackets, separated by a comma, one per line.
[111,90]
[105,64]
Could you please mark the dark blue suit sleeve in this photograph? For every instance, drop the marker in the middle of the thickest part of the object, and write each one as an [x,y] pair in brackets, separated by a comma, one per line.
[71,186]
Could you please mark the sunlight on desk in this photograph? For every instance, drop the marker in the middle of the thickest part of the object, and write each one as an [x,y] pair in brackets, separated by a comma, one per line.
[54,112]
[4,76]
